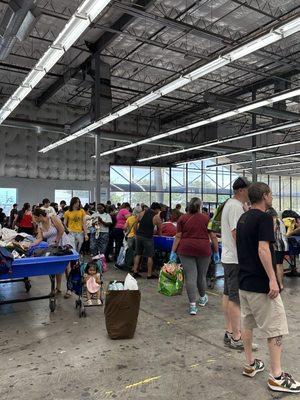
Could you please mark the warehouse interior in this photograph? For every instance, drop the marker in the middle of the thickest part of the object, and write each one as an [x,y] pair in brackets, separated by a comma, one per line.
[140,101]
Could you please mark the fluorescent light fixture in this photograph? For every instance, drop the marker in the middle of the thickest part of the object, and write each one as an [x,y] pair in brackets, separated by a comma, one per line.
[273,36]
[294,155]
[256,149]
[77,24]
[271,166]
[223,141]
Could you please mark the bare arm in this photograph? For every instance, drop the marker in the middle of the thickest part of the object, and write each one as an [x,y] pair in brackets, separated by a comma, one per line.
[15,221]
[59,227]
[158,222]
[176,241]
[265,257]
[214,240]
[39,238]
[233,233]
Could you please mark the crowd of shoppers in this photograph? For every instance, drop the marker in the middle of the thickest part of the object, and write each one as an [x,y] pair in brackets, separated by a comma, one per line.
[254,245]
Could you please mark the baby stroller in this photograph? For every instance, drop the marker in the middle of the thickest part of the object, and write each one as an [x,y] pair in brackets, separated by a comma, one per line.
[76,284]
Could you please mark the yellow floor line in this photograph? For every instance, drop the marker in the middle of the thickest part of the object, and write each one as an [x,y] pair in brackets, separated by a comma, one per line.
[148,380]
[213,293]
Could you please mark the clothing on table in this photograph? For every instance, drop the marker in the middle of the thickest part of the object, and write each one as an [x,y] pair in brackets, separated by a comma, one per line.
[75,220]
[50,235]
[254,226]
[146,225]
[121,218]
[232,211]
[99,244]
[195,238]
[195,270]
[49,210]
[169,229]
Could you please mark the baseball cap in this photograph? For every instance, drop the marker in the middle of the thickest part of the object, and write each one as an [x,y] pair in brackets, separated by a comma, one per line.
[240,183]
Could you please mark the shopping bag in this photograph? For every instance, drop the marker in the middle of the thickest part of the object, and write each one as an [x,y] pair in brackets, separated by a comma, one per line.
[121,313]
[171,279]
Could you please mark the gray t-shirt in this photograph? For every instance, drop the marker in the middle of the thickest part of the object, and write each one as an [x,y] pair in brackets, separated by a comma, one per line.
[231,213]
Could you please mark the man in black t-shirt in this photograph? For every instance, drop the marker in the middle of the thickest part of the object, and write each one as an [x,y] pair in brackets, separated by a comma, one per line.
[261,304]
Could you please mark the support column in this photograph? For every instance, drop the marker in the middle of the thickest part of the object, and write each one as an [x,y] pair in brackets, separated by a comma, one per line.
[97,111]
[254,170]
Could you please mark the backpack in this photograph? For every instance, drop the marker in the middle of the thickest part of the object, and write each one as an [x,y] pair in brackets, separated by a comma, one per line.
[214,224]
[6,260]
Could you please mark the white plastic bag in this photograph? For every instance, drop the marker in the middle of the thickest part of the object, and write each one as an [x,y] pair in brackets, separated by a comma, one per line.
[130,283]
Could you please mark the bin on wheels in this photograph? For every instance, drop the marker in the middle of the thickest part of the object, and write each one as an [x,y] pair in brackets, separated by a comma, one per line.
[121,313]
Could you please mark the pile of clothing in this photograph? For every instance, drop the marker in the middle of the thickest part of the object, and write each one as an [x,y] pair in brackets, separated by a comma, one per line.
[17,243]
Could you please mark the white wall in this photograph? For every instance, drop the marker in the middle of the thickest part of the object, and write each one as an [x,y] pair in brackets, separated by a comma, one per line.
[34,190]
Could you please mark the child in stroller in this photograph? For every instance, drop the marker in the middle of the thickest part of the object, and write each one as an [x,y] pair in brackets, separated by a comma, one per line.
[79,277]
[92,281]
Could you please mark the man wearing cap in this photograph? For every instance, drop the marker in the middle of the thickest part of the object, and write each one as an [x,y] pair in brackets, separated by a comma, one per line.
[144,245]
[232,211]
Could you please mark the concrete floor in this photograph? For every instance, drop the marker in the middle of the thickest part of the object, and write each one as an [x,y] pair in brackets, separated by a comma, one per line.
[173,355]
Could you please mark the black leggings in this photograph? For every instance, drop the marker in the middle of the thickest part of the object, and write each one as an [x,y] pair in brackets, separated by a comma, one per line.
[118,235]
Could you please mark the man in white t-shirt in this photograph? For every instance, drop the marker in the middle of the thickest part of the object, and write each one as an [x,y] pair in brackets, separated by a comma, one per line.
[49,210]
[101,222]
[232,211]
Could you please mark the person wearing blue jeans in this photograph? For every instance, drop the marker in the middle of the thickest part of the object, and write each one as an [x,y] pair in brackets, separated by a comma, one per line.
[101,222]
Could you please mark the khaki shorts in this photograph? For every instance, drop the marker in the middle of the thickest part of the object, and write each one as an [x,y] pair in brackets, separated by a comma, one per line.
[259,311]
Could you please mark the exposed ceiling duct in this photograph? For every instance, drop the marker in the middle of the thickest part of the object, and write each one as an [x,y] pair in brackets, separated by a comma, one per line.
[17,22]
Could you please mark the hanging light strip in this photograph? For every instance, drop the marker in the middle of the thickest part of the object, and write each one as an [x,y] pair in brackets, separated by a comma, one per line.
[271,166]
[237,153]
[289,155]
[75,27]
[222,141]
[272,36]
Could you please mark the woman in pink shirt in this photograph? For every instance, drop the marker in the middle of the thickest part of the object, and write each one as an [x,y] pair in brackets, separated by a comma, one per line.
[118,232]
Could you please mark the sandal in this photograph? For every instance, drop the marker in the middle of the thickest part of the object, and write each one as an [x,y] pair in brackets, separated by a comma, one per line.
[67,295]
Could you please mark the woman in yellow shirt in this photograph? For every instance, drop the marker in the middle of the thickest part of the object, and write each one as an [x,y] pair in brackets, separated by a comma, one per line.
[75,221]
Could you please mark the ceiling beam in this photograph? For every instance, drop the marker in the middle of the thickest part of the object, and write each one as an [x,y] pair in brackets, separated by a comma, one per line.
[222,102]
[104,40]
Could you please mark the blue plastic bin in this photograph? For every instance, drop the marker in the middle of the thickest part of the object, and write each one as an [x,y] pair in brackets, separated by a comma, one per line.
[37,266]
[163,243]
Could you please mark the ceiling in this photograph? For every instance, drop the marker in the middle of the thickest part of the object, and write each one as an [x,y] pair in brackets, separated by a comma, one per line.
[161,40]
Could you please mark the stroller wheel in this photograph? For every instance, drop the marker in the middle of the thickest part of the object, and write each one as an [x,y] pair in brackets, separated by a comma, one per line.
[82,314]
[77,303]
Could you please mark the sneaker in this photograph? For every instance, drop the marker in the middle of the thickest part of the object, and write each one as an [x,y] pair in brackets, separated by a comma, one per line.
[227,338]
[89,303]
[239,345]
[236,344]
[252,370]
[286,383]
[203,301]
[99,302]
[193,310]
[136,275]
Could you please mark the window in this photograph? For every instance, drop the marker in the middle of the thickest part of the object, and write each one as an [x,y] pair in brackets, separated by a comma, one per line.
[8,197]
[63,194]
